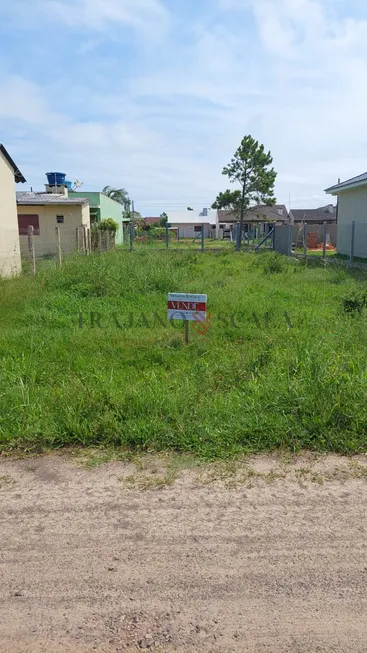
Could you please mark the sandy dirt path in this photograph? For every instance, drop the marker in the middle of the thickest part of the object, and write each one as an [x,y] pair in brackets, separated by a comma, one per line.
[271,563]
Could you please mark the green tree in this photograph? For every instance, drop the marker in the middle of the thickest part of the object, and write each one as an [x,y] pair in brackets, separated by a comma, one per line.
[120,195]
[164,219]
[250,168]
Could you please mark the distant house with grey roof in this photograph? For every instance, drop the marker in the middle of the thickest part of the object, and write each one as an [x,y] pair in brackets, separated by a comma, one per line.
[47,210]
[323,214]
[352,207]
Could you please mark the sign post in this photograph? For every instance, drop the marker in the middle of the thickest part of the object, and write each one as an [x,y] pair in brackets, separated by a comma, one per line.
[187,307]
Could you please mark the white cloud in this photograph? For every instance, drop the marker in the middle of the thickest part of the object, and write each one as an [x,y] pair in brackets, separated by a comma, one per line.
[96,13]
[293,78]
[83,15]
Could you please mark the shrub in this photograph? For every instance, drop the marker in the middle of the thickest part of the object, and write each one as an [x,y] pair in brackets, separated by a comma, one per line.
[108,224]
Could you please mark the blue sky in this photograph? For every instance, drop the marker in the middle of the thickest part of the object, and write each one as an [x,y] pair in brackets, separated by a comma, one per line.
[155,95]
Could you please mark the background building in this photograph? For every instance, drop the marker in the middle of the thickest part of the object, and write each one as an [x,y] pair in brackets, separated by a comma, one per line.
[48,210]
[101,207]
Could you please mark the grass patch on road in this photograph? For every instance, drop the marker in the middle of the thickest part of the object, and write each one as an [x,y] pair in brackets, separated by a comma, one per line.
[281,365]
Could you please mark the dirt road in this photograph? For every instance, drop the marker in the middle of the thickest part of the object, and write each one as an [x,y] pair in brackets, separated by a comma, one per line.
[258,559]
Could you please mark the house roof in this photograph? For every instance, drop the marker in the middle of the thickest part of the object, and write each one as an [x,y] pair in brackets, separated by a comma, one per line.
[322,214]
[151,220]
[258,213]
[361,180]
[40,199]
[17,174]
[192,217]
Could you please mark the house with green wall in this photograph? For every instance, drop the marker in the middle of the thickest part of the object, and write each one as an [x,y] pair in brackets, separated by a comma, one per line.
[102,207]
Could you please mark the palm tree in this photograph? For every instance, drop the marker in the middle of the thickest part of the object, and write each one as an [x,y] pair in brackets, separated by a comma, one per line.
[118,194]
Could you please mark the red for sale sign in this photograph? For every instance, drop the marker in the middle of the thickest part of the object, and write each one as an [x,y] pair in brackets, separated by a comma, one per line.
[188,307]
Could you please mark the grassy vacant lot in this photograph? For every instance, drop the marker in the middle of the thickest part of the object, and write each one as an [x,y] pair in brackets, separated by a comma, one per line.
[250,383]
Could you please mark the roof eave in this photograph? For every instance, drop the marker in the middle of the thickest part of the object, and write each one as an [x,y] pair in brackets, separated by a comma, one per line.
[19,178]
[335,190]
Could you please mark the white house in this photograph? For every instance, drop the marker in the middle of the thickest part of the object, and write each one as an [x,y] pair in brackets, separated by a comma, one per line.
[191,223]
[352,207]
[10,263]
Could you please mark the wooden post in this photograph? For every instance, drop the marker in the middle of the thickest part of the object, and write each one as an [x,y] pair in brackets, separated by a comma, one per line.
[108,240]
[202,237]
[305,239]
[274,228]
[352,241]
[253,229]
[85,240]
[167,236]
[89,241]
[186,332]
[77,241]
[324,242]
[131,236]
[100,241]
[32,254]
[58,245]
[178,234]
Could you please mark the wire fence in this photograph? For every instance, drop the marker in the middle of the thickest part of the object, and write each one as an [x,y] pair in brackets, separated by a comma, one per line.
[197,237]
[333,242]
[328,242]
[55,244]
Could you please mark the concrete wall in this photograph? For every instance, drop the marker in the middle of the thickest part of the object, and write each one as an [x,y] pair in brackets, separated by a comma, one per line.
[283,239]
[10,263]
[188,230]
[45,243]
[353,206]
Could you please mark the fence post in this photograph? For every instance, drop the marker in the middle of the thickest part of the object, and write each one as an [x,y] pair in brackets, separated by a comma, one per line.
[89,241]
[32,254]
[238,230]
[305,239]
[274,227]
[324,241]
[100,241]
[108,240]
[167,235]
[253,229]
[131,231]
[202,237]
[85,240]
[352,241]
[77,241]
[290,239]
[58,244]
[178,234]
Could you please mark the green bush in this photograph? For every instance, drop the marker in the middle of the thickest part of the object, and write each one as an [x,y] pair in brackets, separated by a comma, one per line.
[108,224]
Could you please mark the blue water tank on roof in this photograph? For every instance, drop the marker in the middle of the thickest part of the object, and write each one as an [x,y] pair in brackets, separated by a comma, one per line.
[56,178]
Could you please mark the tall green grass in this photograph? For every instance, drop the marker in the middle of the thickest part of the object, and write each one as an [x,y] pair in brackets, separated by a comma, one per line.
[251,383]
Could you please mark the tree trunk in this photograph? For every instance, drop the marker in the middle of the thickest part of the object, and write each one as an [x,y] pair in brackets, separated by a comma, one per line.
[242,211]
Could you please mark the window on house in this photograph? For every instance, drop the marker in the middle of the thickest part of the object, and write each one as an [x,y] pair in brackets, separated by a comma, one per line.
[60,219]
[25,221]
[197,229]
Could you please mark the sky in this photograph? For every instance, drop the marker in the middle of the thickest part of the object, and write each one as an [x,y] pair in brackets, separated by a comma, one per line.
[156,95]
